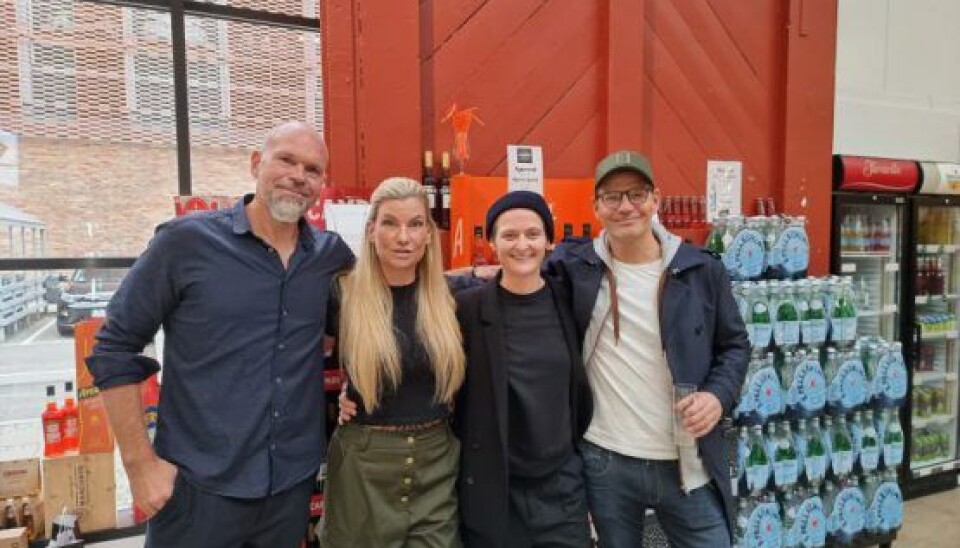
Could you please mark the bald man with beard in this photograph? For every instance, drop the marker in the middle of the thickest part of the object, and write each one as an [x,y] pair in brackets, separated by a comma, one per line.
[242,297]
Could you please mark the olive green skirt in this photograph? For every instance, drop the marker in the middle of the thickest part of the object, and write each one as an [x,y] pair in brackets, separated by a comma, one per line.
[391,489]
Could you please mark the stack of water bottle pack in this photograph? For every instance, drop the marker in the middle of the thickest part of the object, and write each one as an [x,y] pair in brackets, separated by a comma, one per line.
[819,437]
[760,247]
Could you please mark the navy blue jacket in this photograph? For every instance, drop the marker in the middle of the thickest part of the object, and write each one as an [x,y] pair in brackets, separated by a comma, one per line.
[701,329]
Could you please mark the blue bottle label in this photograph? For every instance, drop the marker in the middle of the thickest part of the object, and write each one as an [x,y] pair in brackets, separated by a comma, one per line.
[785,472]
[813,332]
[792,251]
[757,477]
[870,458]
[745,256]
[892,454]
[844,329]
[890,379]
[841,462]
[887,506]
[850,509]
[812,522]
[764,527]
[849,387]
[786,333]
[809,387]
[764,391]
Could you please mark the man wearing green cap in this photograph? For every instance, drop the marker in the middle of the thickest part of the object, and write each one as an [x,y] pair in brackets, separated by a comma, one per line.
[652,312]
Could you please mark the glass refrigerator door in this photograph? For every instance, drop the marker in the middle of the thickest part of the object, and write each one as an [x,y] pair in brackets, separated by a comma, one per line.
[870,253]
[936,287]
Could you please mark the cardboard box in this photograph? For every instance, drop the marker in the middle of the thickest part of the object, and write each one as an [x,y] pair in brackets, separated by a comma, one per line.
[84,484]
[13,538]
[19,478]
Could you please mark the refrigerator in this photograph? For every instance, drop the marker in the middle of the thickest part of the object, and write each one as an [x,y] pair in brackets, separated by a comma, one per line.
[932,348]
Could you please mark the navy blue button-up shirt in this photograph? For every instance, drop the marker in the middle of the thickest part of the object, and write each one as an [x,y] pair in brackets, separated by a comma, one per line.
[242,405]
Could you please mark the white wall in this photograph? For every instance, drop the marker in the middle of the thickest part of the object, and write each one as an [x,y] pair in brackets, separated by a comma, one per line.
[898,79]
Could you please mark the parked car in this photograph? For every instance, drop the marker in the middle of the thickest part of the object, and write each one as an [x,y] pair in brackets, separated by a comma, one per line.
[86,295]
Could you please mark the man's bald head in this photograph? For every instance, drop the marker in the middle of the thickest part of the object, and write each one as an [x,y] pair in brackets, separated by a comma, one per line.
[290,169]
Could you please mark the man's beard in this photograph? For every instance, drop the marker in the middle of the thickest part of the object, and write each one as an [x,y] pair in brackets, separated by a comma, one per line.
[287,210]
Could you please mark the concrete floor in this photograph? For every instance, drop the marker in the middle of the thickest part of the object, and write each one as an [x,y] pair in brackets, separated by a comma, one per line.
[928,522]
[932,521]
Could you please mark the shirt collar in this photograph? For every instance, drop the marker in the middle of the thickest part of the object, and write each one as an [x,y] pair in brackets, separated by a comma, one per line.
[241,223]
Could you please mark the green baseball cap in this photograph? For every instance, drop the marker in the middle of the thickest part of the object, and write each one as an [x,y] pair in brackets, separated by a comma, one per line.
[624,160]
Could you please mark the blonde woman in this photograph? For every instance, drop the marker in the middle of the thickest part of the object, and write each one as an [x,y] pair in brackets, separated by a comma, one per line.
[391,472]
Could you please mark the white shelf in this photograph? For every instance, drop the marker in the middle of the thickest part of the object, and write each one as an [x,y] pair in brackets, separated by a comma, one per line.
[934,249]
[923,377]
[885,311]
[949,335]
[923,422]
[866,254]
[931,299]
[929,468]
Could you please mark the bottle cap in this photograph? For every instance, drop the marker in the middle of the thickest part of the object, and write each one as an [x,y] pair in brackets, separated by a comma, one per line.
[51,391]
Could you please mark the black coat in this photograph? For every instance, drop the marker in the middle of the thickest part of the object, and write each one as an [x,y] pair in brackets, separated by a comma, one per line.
[481,411]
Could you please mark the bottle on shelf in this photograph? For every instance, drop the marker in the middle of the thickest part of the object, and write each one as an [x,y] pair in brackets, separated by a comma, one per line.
[567,231]
[479,248]
[52,418]
[587,231]
[444,191]
[870,446]
[71,420]
[429,181]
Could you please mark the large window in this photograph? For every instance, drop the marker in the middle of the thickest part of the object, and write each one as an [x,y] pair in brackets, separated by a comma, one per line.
[95,142]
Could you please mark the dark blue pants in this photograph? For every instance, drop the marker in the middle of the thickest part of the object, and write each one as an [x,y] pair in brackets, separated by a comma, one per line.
[551,511]
[621,489]
[194,518]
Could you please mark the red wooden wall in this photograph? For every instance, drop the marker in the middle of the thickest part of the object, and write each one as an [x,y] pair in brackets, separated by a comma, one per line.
[681,80]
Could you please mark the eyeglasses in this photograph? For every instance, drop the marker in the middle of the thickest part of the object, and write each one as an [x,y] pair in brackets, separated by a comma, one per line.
[614,198]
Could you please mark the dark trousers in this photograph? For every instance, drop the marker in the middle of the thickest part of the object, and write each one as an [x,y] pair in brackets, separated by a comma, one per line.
[194,518]
[550,512]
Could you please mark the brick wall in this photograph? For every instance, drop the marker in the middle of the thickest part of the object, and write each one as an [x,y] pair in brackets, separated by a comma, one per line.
[104,199]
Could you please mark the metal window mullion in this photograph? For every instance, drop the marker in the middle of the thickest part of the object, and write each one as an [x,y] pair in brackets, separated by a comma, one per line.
[181,94]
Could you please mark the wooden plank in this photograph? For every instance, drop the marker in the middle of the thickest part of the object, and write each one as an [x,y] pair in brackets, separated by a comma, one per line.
[753,41]
[580,156]
[340,93]
[446,18]
[627,106]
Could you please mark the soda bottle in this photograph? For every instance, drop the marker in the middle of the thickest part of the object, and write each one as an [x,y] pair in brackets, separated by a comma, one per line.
[444,191]
[785,459]
[567,231]
[740,539]
[843,318]
[758,465]
[813,320]
[479,248]
[850,507]
[856,434]
[429,181]
[829,496]
[846,238]
[52,426]
[760,324]
[743,451]
[791,527]
[886,236]
[586,231]
[889,501]
[859,234]
[869,443]
[787,327]
[71,420]
[841,446]
[715,239]
[892,439]
[815,459]
[869,483]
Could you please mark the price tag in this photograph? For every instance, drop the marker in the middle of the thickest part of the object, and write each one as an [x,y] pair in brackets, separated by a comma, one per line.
[889,308]
[949,249]
[921,299]
[848,268]
[892,267]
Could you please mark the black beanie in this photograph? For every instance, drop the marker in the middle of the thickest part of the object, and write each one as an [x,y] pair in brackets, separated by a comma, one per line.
[521,199]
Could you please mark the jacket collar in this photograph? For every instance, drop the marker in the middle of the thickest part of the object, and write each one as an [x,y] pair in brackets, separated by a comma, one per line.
[677,256]
[241,223]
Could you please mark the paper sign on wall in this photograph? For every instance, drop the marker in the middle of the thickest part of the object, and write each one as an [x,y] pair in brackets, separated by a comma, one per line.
[524,168]
[347,220]
[724,188]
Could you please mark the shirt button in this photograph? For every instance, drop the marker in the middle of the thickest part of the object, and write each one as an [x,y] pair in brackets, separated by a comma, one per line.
[278,380]
[285,312]
[407,481]
[273,447]
[404,498]
[281,346]
[409,460]
[410,439]
[276,414]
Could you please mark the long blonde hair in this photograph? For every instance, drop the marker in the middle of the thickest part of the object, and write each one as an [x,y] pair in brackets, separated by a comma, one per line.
[368,347]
